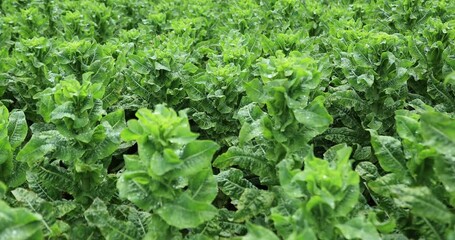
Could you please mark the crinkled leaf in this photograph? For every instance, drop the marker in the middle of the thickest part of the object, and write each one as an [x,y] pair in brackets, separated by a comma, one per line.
[159,229]
[186,212]
[111,228]
[17,128]
[358,228]
[422,203]
[407,125]
[66,110]
[367,171]
[444,167]
[247,160]
[249,131]
[438,131]
[19,223]
[253,202]
[40,145]
[103,148]
[196,156]
[203,186]
[254,90]
[130,186]
[232,183]
[6,151]
[385,184]
[258,232]
[315,115]
[389,153]
[116,119]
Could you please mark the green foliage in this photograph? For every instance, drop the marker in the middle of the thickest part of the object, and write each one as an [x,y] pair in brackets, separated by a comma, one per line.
[13,131]
[318,199]
[19,223]
[208,119]
[171,175]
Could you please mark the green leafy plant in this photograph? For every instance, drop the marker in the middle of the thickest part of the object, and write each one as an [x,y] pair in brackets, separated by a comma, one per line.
[171,175]
[13,131]
[271,119]
[76,144]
